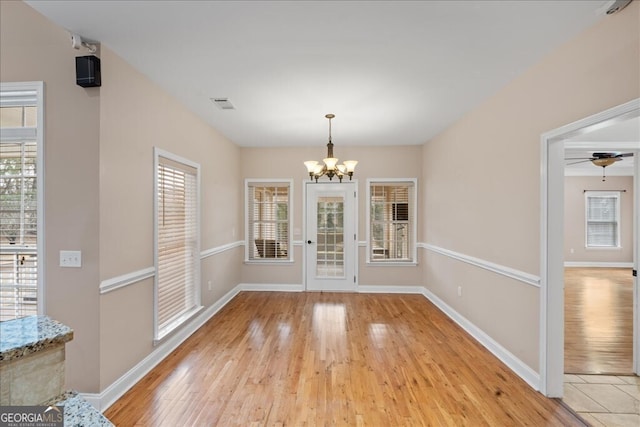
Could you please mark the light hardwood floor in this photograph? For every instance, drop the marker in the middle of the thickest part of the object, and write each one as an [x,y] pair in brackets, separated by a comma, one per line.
[316,359]
[598,321]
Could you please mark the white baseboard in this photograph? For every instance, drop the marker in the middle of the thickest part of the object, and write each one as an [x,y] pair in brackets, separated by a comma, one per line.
[368,289]
[93,398]
[590,264]
[102,401]
[521,369]
[270,287]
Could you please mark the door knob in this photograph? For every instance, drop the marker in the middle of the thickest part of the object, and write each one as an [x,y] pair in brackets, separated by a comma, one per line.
[309,242]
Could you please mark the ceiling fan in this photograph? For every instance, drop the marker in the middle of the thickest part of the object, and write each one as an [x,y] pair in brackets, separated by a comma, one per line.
[601,159]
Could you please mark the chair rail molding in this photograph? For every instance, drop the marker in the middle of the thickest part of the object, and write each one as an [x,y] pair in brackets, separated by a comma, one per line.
[219,249]
[521,276]
[114,283]
[118,282]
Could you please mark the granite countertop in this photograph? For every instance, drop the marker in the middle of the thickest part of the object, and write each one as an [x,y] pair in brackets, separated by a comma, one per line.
[78,412]
[21,337]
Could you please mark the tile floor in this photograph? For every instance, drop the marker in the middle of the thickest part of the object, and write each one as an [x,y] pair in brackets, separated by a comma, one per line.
[604,400]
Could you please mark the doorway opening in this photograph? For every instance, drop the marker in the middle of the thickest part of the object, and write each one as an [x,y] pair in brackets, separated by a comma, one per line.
[552,242]
[598,250]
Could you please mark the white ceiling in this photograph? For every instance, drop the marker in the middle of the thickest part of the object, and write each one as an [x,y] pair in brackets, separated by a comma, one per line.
[393,72]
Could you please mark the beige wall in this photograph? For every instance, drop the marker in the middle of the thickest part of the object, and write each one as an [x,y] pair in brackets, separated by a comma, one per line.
[481,190]
[574,219]
[374,162]
[34,49]
[99,193]
[136,116]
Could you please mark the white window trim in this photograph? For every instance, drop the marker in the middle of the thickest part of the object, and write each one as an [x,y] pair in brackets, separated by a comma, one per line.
[158,336]
[614,194]
[414,216]
[247,244]
[38,87]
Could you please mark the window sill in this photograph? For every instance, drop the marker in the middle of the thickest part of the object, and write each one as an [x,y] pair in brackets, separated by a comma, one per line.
[603,248]
[176,325]
[269,261]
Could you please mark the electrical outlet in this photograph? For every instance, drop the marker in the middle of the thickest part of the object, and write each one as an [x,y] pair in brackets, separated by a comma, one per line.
[71,259]
[209,283]
[459,291]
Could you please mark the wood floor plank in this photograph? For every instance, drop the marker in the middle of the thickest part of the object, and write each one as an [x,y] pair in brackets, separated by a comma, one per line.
[315,359]
[598,321]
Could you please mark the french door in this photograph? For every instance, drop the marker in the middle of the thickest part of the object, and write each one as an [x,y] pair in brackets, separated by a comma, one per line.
[330,237]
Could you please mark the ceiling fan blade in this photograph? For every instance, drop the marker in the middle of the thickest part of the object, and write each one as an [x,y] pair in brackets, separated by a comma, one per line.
[625,155]
[575,163]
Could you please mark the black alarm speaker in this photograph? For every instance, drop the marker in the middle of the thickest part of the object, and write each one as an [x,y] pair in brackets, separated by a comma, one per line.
[88,71]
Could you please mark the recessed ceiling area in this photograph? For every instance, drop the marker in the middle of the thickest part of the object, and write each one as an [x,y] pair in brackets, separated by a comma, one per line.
[617,136]
[393,72]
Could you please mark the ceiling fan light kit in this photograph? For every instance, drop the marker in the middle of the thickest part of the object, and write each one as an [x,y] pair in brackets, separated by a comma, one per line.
[330,166]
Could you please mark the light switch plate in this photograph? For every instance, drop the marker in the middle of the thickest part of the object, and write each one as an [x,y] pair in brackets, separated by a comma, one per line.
[71,259]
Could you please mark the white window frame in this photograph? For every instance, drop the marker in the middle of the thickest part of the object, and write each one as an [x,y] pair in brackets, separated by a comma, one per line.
[264,182]
[161,334]
[37,133]
[609,194]
[413,210]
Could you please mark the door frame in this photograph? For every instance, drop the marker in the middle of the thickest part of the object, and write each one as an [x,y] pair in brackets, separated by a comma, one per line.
[552,245]
[305,237]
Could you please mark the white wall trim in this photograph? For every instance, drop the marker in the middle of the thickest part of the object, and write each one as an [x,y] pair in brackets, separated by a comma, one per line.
[271,287]
[118,282]
[127,279]
[590,264]
[521,369]
[521,276]
[219,249]
[102,401]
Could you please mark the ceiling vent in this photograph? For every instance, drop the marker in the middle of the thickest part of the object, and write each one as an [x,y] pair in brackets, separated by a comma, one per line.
[223,103]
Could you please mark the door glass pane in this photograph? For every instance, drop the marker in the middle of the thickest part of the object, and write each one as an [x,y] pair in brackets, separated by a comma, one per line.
[330,238]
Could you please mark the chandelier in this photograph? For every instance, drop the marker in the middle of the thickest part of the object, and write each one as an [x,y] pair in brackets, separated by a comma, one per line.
[330,168]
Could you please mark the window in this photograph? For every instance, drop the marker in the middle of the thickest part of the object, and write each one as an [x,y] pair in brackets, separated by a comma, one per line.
[21,196]
[390,221]
[268,220]
[602,219]
[177,231]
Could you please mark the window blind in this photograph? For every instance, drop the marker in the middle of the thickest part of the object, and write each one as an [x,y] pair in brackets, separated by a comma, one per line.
[177,241]
[391,221]
[603,216]
[268,221]
[18,203]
